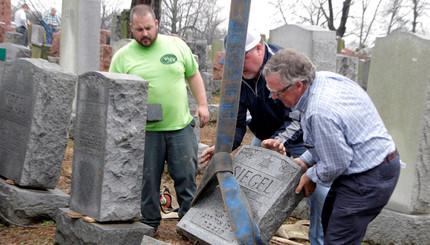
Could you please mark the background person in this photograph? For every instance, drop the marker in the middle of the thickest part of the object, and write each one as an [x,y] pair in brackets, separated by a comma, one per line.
[52,20]
[350,148]
[165,62]
[22,23]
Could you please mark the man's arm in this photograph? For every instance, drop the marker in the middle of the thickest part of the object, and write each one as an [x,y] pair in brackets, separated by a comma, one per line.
[198,88]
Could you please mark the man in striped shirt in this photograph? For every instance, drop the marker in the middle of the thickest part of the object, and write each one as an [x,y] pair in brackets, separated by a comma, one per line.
[349,147]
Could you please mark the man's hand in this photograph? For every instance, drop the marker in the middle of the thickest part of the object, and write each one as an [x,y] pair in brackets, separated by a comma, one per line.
[301,163]
[203,112]
[307,184]
[274,145]
[207,156]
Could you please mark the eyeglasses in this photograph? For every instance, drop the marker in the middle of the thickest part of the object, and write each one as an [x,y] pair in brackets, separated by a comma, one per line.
[279,92]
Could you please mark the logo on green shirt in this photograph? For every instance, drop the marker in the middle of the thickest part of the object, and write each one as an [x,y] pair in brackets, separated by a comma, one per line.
[168,59]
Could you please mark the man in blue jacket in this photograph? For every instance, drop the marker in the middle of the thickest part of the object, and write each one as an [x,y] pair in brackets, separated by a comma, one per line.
[269,118]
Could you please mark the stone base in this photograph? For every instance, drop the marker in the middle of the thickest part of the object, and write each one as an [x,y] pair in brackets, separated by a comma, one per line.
[391,227]
[77,231]
[23,206]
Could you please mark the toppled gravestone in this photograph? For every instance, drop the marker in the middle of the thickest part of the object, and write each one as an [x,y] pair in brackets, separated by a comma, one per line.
[35,107]
[268,181]
[109,146]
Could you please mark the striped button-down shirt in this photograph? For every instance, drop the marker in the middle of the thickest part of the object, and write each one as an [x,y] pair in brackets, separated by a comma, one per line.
[341,122]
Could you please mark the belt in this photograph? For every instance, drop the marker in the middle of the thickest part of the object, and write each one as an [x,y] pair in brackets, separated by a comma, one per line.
[391,156]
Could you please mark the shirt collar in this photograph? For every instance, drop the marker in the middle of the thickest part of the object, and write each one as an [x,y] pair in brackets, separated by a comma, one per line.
[303,101]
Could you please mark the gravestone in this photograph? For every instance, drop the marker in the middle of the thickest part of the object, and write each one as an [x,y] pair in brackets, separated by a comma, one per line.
[25,205]
[268,181]
[15,51]
[317,43]
[80,36]
[37,35]
[199,48]
[109,146]
[35,106]
[363,72]
[347,66]
[400,89]
[72,231]
[14,37]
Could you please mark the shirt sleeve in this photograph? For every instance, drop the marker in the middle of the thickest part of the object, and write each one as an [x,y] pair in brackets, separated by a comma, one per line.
[332,153]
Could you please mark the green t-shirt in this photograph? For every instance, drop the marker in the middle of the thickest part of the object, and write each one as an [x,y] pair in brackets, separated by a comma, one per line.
[165,65]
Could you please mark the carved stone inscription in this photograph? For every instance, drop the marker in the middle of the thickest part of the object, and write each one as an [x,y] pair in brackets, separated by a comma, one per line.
[211,216]
[91,119]
[15,114]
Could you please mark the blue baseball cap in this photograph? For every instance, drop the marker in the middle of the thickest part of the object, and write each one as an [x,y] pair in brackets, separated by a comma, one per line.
[252,39]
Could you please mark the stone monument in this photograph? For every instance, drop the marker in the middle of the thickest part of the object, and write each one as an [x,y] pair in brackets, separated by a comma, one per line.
[268,181]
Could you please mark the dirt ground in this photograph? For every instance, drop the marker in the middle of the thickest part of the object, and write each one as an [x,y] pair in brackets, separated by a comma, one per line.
[45,233]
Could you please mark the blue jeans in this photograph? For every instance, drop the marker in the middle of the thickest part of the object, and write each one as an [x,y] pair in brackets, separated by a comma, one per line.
[316,204]
[179,149]
[24,32]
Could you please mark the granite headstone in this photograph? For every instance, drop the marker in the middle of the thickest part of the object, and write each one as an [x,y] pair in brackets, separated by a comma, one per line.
[35,107]
[109,146]
[268,181]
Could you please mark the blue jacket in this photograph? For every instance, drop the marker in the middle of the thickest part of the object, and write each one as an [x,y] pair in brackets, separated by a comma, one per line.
[269,117]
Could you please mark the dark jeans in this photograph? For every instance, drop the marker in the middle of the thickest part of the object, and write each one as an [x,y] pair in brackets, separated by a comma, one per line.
[179,149]
[355,200]
[23,31]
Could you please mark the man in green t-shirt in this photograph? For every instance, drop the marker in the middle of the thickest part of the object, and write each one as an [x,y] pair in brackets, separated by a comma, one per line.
[165,62]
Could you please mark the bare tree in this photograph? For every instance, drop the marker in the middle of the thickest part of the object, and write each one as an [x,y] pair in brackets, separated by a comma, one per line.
[341,29]
[397,20]
[300,12]
[419,8]
[109,9]
[199,18]
[364,34]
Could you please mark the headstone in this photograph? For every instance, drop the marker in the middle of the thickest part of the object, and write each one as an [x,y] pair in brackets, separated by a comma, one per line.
[24,205]
[37,35]
[15,51]
[147,240]
[35,106]
[80,36]
[14,37]
[199,48]
[70,231]
[399,87]
[317,43]
[208,80]
[347,66]
[109,146]
[363,72]
[5,12]
[116,45]
[268,181]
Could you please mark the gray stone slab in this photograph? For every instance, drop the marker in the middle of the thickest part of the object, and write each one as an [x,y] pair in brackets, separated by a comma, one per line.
[155,113]
[318,43]
[391,227]
[109,146]
[35,107]
[15,51]
[399,86]
[216,86]
[347,66]
[37,35]
[15,37]
[267,179]
[78,232]
[23,206]
[200,48]
[147,240]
